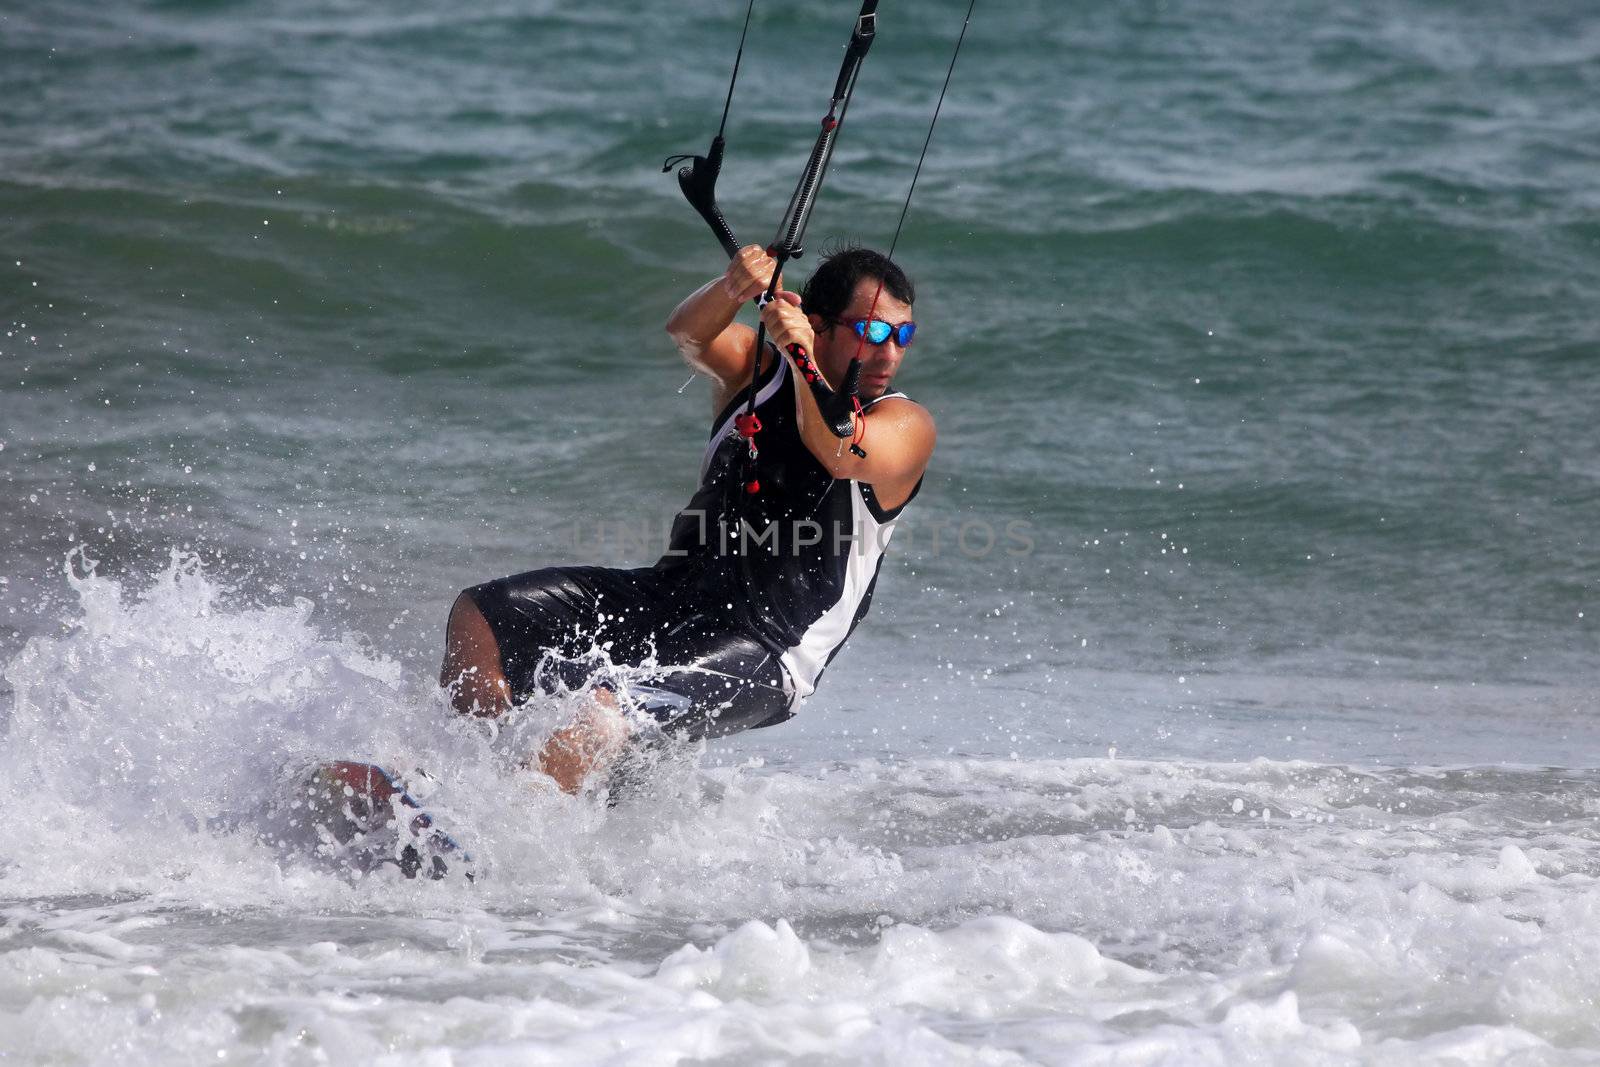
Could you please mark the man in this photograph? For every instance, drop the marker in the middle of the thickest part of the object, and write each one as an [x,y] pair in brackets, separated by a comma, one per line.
[770,566]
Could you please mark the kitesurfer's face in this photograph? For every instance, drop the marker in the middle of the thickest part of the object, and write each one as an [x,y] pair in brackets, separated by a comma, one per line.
[838,345]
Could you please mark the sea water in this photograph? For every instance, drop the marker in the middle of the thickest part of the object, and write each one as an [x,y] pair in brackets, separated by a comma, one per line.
[1230,691]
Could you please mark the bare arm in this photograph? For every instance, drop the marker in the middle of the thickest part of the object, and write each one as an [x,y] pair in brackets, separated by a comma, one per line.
[703,329]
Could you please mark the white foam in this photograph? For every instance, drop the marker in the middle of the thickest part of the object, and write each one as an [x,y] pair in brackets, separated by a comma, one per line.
[929,911]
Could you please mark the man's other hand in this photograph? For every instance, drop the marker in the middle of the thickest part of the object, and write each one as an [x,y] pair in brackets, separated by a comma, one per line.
[786,324]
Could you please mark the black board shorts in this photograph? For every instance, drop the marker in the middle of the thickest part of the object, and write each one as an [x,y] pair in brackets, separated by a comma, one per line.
[705,679]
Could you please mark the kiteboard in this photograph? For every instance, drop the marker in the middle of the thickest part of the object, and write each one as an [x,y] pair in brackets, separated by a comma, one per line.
[363,816]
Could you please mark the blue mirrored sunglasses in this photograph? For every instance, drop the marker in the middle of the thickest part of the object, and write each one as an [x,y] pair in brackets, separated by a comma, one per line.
[876,331]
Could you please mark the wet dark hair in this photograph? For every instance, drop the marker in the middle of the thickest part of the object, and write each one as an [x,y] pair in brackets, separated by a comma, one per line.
[829,289]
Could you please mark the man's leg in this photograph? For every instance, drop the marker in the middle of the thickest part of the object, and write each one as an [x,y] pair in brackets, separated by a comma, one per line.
[718,681]
[475,676]
[472,670]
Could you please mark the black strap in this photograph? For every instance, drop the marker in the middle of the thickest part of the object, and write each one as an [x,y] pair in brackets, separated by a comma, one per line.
[698,180]
[837,408]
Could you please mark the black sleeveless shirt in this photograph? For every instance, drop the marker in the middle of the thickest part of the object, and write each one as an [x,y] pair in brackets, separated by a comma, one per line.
[793,564]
